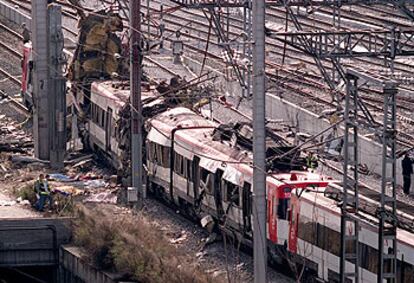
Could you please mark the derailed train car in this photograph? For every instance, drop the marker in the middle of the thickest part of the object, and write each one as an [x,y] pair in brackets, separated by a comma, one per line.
[208,175]
[214,177]
[107,124]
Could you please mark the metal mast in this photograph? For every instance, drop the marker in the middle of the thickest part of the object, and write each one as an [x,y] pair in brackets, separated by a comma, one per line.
[387,261]
[135,81]
[387,227]
[259,143]
[350,204]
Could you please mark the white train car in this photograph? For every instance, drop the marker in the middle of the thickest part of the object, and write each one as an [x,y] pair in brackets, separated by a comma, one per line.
[107,100]
[207,176]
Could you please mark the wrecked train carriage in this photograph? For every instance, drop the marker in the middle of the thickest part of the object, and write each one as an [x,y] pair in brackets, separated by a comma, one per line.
[212,179]
[191,167]
[107,127]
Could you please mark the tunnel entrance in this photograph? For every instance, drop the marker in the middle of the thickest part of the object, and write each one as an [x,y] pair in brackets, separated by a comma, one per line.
[30,274]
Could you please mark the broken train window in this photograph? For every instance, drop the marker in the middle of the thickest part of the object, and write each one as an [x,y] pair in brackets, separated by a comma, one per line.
[232,192]
[206,181]
[179,164]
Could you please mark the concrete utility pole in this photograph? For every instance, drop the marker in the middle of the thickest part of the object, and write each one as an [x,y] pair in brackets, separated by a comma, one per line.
[49,93]
[259,144]
[135,81]
[57,88]
[40,40]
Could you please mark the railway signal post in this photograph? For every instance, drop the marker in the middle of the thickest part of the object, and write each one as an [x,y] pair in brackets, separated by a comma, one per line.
[135,81]
[259,145]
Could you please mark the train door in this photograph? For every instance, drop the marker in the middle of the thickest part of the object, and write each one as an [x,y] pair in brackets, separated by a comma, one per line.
[196,178]
[108,130]
[231,196]
[272,215]
[218,200]
[247,208]
[206,188]
[293,215]
[283,205]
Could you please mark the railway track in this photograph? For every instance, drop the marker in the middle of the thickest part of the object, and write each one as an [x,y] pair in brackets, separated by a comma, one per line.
[275,47]
[24,5]
[294,80]
[375,104]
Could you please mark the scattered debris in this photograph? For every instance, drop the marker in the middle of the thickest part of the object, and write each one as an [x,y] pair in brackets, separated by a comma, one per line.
[7,202]
[94,184]
[180,239]
[103,197]
[23,159]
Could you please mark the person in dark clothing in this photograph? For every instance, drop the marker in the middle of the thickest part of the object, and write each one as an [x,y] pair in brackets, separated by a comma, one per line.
[407,171]
[42,190]
[25,33]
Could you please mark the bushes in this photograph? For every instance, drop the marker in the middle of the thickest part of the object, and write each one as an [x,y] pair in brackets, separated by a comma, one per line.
[135,248]
[26,192]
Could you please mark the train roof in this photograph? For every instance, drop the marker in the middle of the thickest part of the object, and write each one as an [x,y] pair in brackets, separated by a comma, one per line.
[119,91]
[214,154]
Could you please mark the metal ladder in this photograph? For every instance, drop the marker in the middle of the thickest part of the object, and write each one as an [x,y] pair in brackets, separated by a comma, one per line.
[387,233]
[350,202]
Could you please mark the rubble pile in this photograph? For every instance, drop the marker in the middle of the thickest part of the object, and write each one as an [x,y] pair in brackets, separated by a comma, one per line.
[12,138]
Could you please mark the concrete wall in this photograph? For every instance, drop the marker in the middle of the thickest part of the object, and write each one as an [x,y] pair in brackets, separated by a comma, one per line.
[370,152]
[74,269]
[29,242]
[231,88]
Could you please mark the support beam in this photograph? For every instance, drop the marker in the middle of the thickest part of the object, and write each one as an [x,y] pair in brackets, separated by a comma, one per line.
[350,202]
[351,44]
[197,4]
[259,145]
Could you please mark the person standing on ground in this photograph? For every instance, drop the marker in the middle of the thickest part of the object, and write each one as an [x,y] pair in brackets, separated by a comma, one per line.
[42,190]
[407,171]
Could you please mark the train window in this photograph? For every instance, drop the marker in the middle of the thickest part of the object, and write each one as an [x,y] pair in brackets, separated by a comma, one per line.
[189,169]
[207,180]
[158,154]
[103,117]
[307,230]
[165,152]
[247,205]
[333,241]
[328,239]
[113,131]
[407,272]
[99,116]
[282,208]
[96,114]
[370,256]
[179,164]
[150,151]
[232,193]
[93,112]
